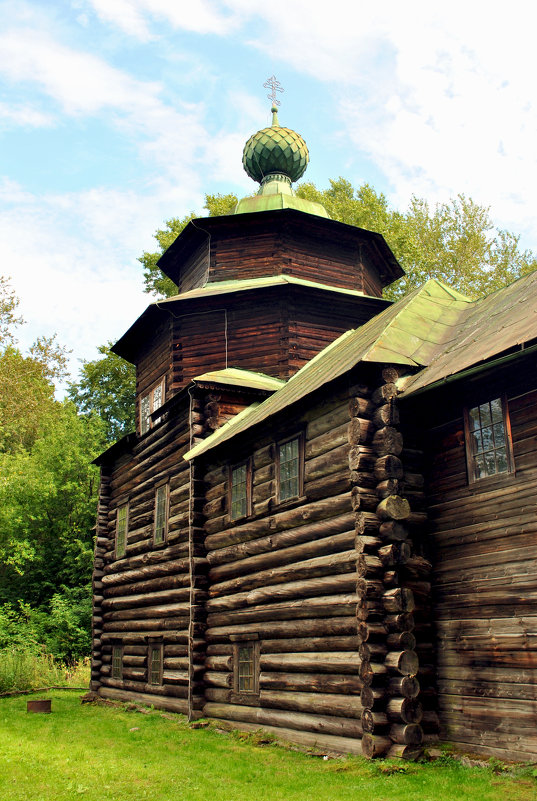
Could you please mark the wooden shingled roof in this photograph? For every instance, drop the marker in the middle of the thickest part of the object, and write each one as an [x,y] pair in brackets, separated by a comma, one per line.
[434,327]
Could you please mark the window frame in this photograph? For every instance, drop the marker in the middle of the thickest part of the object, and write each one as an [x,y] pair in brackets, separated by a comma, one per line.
[155,646]
[471,464]
[121,553]
[240,641]
[166,486]
[117,651]
[150,395]
[249,487]
[301,450]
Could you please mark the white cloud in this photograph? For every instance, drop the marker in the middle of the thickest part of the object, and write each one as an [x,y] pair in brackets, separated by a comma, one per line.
[198,16]
[24,116]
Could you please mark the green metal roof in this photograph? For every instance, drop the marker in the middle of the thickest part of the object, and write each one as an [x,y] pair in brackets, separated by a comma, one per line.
[408,332]
[486,327]
[273,201]
[236,377]
[245,284]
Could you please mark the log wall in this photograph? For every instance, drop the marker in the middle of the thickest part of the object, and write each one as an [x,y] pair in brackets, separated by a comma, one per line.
[484,537]
[287,576]
[154,591]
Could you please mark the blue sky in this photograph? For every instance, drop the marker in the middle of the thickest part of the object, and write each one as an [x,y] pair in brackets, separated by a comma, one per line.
[118,114]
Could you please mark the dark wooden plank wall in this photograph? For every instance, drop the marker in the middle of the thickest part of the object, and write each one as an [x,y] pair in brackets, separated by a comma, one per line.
[195,270]
[289,575]
[148,592]
[485,538]
[154,363]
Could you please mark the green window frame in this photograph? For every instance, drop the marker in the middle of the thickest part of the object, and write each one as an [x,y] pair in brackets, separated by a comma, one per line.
[160,530]
[117,662]
[489,449]
[290,468]
[122,525]
[240,494]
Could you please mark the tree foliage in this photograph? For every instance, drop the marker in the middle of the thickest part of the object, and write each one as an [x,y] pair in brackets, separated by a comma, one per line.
[48,491]
[106,388]
[455,242]
[155,282]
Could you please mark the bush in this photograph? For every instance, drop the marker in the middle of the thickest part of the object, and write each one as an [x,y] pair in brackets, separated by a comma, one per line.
[22,669]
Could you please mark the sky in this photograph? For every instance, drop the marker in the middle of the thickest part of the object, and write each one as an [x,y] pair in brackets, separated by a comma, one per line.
[116,115]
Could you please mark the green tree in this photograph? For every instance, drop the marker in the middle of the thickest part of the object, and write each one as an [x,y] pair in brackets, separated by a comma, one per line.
[106,388]
[8,308]
[455,242]
[155,282]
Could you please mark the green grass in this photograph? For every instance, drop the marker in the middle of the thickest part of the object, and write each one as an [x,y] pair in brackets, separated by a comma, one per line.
[99,753]
[22,669]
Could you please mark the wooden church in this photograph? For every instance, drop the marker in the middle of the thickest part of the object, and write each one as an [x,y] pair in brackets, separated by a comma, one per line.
[325,522]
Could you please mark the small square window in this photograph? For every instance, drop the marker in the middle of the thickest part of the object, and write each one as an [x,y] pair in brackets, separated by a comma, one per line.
[122,520]
[488,439]
[117,662]
[290,468]
[161,514]
[241,490]
[154,664]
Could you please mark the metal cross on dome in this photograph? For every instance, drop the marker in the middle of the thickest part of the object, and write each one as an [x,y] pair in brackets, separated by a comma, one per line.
[274,84]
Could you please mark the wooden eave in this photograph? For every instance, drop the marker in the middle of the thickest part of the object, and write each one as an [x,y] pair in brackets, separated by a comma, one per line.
[197,231]
[211,295]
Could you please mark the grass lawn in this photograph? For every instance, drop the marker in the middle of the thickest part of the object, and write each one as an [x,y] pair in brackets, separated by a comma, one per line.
[98,753]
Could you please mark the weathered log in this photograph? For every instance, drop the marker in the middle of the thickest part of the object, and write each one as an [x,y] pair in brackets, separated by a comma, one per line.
[372,698]
[374,745]
[388,466]
[406,733]
[218,679]
[158,701]
[360,407]
[404,710]
[384,393]
[360,431]
[322,443]
[386,415]
[399,599]
[362,459]
[367,523]
[316,533]
[304,644]
[401,641]
[371,631]
[368,566]
[141,613]
[393,530]
[288,519]
[365,544]
[368,589]
[311,682]
[366,499]
[406,686]
[391,578]
[314,627]
[410,752]
[347,706]
[218,663]
[374,722]
[318,566]
[403,621]
[292,720]
[372,673]
[388,440]
[146,599]
[396,553]
[393,507]
[292,591]
[316,662]
[333,461]
[373,651]
[391,486]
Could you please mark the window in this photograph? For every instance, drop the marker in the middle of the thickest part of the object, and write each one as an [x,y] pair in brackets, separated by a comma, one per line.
[161,514]
[290,468]
[488,439]
[149,403]
[246,667]
[117,662]
[154,663]
[241,490]
[121,530]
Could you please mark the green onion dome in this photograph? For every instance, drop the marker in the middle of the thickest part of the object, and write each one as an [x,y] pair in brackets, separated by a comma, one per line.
[275,150]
